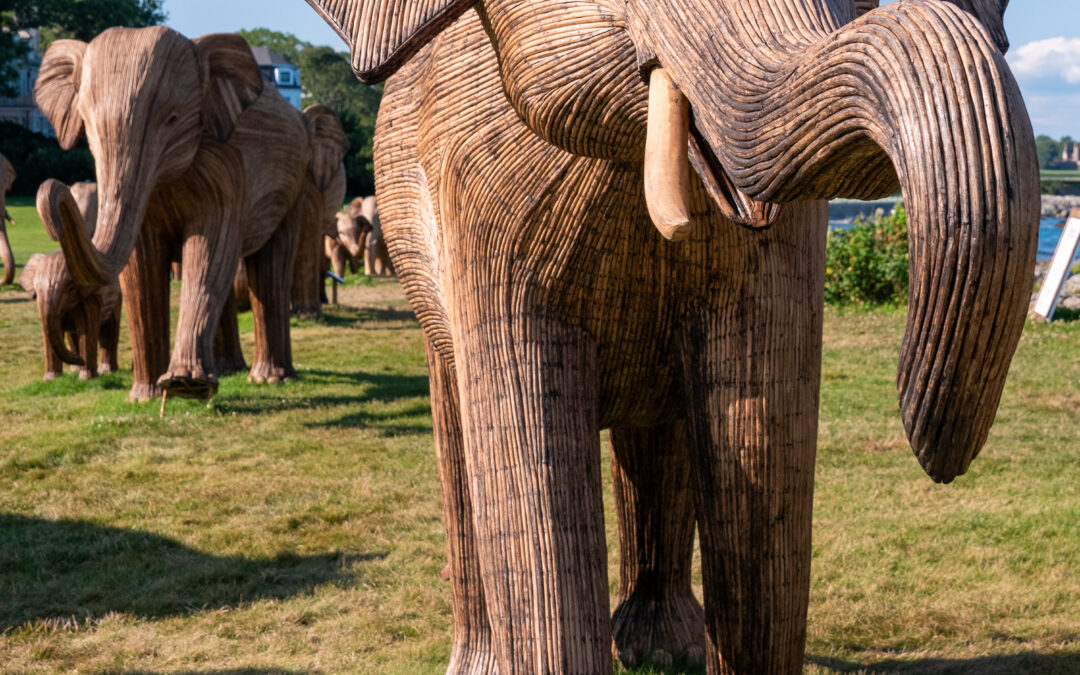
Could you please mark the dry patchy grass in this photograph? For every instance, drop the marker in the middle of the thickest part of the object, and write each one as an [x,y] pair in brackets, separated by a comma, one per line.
[297,529]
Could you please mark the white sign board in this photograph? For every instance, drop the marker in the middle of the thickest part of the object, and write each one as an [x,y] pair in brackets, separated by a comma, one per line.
[1059,268]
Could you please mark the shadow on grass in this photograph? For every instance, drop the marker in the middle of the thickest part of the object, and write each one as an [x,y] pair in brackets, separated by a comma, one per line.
[63,569]
[1018,664]
[376,388]
[13,301]
[389,423]
[230,671]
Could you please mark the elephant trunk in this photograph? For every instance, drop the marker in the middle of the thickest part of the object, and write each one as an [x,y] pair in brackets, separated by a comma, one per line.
[6,256]
[913,95]
[52,283]
[60,214]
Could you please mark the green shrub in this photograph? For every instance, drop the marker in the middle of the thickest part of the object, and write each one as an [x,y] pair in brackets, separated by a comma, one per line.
[867,263]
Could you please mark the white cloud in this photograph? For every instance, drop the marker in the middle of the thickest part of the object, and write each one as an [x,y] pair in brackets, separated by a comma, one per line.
[1057,58]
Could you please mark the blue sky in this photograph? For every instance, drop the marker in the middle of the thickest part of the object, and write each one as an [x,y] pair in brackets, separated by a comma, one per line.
[1045,37]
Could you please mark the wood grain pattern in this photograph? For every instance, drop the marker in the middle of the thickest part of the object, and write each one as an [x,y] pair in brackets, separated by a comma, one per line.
[85,321]
[510,174]
[7,258]
[196,161]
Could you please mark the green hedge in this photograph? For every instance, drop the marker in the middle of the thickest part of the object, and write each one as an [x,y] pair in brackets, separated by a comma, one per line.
[867,263]
[37,157]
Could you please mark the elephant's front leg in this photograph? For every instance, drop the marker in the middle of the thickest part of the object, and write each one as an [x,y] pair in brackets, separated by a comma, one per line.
[269,276]
[144,284]
[472,652]
[658,617]
[228,354]
[210,254]
[533,456]
[752,373]
[110,343]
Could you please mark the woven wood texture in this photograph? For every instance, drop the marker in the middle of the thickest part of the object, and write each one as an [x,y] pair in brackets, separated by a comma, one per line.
[7,258]
[196,161]
[87,322]
[510,164]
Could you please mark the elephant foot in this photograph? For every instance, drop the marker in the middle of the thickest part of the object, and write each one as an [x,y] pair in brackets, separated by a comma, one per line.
[106,368]
[472,660]
[188,383]
[307,313]
[87,375]
[264,372]
[51,375]
[661,631]
[144,391]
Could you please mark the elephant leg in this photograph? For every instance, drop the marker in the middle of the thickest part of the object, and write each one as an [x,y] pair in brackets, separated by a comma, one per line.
[354,264]
[144,285]
[210,252]
[532,452]
[371,254]
[658,616]
[472,652]
[269,275]
[110,343]
[340,254]
[54,367]
[87,328]
[752,366]
[228,355]
[7,258]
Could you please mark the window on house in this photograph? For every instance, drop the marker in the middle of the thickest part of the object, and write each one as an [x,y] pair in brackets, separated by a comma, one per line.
[284,77]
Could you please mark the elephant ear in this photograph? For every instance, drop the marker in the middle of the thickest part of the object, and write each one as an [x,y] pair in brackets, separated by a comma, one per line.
[58,87]
[232,82]
[383,34]
[328,144]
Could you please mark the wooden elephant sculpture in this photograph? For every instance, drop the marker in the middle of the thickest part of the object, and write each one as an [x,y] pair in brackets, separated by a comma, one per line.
[525,152]
[89,321]
[322,197]
[196,161]
[345,245]
[7,258]
[376,255]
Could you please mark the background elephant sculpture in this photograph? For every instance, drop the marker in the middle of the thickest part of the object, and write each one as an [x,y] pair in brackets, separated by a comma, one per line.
[345,246]
[89,321]
[516,210]
[7,258]
[322,196]
[376,255]
[196,161]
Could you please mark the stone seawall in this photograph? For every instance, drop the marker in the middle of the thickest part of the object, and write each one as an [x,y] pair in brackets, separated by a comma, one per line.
[1054,206]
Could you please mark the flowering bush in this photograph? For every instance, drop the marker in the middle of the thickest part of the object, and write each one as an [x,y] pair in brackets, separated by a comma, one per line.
[867,263]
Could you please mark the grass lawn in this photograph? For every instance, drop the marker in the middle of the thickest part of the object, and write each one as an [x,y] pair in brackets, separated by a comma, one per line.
[297,529]
[1056,174]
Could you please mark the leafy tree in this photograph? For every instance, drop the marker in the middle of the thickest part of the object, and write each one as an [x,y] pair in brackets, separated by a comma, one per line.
[286,44]
[867,263]
[327,78]
[1048,150]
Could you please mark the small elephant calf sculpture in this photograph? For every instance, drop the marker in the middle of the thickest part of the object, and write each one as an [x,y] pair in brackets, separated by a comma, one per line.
[88,319]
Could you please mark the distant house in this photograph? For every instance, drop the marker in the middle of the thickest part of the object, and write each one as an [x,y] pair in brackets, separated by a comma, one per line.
[21,109]
[284,75]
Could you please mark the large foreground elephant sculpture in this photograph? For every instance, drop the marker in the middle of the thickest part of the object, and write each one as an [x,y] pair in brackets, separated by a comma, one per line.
[196,160]
[88,321]
[522,159]
[322,196]
[7,258]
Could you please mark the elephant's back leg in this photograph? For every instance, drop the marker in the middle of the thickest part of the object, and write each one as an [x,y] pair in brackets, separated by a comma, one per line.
[657,616]
[144,284]
[269,275]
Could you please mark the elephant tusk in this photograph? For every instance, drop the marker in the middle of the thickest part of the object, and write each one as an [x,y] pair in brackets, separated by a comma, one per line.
[667,166]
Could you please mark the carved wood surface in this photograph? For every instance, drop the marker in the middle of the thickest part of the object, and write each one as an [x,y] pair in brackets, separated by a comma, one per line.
[510,171]
[196,161]
[7,258]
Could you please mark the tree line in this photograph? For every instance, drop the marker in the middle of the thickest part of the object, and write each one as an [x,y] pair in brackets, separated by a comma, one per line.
[325,76]
[1050,150]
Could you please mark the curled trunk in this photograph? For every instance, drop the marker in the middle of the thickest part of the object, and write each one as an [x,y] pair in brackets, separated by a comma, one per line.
[912,95]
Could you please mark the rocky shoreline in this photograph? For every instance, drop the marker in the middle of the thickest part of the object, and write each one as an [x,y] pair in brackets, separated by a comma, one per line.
[1054,206]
